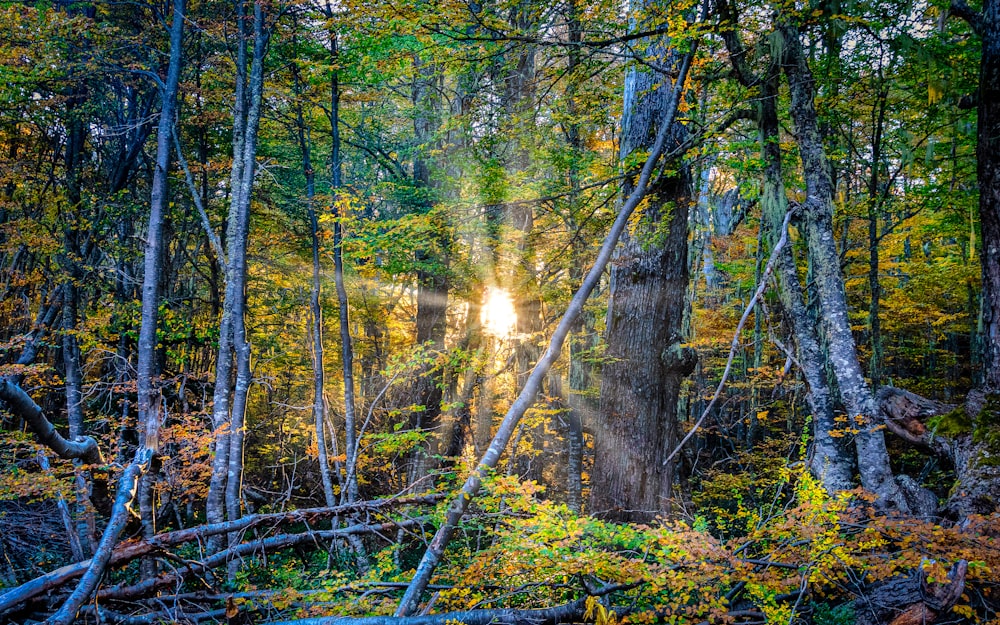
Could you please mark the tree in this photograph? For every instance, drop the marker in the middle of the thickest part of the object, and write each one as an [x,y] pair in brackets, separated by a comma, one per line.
[647,360]
[228,418]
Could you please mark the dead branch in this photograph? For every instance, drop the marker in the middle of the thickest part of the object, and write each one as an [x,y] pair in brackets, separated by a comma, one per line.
[571,612]
[265,545]
[131,550]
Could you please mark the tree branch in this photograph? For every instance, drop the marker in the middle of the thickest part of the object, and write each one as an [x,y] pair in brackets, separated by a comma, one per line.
[83,447]
[970,15]
[132,550]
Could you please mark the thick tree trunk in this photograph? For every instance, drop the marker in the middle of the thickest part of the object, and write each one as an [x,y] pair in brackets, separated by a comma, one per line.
[637,426]
[988,174]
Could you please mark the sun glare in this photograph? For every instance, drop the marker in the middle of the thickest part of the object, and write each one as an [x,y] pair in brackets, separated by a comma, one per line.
[498,316]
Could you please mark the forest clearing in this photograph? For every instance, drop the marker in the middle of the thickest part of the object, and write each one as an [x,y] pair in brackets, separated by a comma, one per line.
[500,312]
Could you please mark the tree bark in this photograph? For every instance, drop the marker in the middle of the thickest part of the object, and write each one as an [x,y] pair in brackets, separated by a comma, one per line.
[864,419]
[646,363]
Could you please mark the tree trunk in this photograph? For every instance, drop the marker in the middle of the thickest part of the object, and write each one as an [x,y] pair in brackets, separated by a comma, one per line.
[830,461]
[350,493]
[875,364]
[864,418]
[637,426]
[582,376]
[432,280]
[988,173]
[85,522]
[241,344]
[315,310]
[229,407]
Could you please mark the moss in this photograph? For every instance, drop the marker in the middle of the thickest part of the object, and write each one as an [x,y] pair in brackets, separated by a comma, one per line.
[951,424]
[986,431]
[986,425]
[984,428]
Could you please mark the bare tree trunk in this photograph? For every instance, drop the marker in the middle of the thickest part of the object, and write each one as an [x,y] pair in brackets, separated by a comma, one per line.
[315,310]
[873,457]
[215,505]
[350,493]
[238,274]
[149,414]
[830,462]
[229,409]
[641,380]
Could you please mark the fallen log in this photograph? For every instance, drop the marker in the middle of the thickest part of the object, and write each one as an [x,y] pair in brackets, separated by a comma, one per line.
[567,613]
[965,436]
[911,600]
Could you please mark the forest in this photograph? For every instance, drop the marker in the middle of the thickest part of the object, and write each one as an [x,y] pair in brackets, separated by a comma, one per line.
[497,312]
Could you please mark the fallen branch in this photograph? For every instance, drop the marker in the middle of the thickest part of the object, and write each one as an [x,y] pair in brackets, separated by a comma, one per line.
[572,612]
[273,543]
[127,486]
[130,551]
